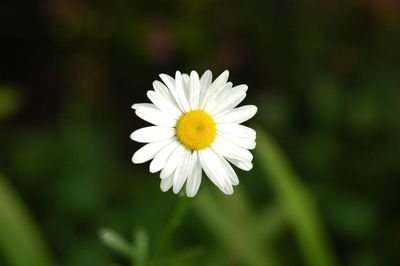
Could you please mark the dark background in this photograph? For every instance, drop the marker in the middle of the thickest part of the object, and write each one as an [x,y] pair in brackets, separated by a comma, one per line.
[325,76]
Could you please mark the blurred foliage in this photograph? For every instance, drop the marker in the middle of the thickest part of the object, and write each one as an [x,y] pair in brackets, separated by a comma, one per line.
[295,202]
[9,101]
[19,239]
[324,75]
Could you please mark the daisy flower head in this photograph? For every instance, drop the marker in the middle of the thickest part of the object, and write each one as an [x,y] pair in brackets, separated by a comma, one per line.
[196,128]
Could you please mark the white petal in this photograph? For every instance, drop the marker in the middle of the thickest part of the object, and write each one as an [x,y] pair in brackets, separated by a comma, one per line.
[227,190]
[166,183]
[218,82]
[223,88]
[242,142]
[229,170]
[232,99]
[148,151]
[163,90]
[214,169]
[181,91]
[241,87]
[246,166]
[194,92]
[186,82]
[164,104]
[152,134]
[182,171]
[138,106]
[228,108]
[158,86]
[231,150]
[238,115]
[170,82]
[239,131]
[174,159]
[208,169]
[155,116]
[205,80]
[194,178]
[218,97]
[205,83]
[161,158]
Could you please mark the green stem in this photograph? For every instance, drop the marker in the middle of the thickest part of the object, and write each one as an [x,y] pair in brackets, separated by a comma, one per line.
[174,222]
[140,247]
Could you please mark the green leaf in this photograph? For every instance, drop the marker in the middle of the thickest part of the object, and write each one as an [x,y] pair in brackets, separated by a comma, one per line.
[237,227]
[116,242]
[20,240]
[295,200]
[137,252]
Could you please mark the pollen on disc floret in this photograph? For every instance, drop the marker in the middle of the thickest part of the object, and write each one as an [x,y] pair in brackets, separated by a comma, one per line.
[196,130]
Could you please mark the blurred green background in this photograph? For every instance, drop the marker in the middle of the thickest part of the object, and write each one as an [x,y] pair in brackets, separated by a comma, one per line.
[325,76]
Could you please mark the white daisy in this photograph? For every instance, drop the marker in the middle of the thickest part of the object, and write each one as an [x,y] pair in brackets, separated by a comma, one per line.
[196,128]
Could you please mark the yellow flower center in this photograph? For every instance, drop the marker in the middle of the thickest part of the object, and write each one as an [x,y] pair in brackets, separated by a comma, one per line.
[196,130]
